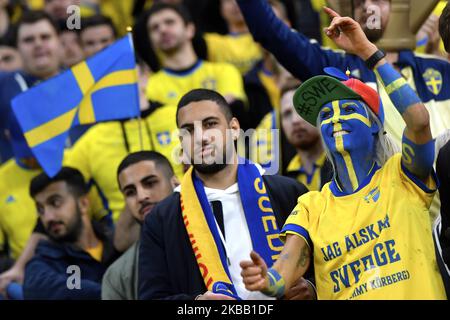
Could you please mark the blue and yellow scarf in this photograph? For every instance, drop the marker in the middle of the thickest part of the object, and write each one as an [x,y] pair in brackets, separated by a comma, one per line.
[204,236]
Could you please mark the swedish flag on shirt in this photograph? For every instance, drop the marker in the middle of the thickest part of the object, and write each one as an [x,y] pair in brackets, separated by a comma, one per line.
[104,87]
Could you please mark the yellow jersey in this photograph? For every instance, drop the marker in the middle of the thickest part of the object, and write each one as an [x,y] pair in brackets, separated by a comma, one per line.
[375,243]
[238,49]
[311,181]
[98,153]
[18,214]
[168,86]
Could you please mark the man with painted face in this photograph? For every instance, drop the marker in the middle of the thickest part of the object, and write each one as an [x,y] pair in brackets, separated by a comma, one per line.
[367,232]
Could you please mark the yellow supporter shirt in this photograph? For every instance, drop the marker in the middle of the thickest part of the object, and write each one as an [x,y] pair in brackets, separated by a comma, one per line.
[311,181]
[375,243]
[167,87]
[98,153]
[238,49]
[263,144]
[272,89]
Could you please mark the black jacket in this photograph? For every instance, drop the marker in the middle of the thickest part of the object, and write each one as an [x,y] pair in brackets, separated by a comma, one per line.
[167,266]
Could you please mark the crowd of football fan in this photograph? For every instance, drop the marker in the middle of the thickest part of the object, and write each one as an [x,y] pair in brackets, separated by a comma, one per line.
[90,215]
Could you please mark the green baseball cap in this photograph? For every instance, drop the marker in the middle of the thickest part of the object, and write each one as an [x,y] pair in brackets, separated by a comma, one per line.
[318,91]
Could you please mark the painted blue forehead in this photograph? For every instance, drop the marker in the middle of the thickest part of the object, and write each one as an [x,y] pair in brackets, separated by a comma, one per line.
[358,103]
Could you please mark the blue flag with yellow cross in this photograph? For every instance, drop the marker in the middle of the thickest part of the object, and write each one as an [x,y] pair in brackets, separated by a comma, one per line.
[101,88]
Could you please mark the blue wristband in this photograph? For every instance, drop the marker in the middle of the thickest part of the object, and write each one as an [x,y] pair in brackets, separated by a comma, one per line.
[276,284]
[418,158]
[400,93]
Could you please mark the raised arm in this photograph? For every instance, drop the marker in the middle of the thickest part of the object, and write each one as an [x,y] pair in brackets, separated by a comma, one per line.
[293,50]
[417,142]
[292,264]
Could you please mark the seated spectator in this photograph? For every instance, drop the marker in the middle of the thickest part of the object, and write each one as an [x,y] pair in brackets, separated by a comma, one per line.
[71,47]
[101,149]
[237,47]
[310,165]
[96,33]
[71,264]
[10,59]
[18,212]
[58,8]
[171,30]
[36,30]
[145,179]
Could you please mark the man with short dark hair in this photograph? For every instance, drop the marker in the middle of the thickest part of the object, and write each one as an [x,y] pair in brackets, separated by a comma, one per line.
[97,32]
[10,59]
[72,263]
[310,165]
[192,243]
[145,178]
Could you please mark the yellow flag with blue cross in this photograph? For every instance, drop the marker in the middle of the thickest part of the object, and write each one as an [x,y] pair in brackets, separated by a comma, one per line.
[101,88]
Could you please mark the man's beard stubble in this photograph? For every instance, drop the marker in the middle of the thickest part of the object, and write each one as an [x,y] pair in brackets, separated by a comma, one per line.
[73,232]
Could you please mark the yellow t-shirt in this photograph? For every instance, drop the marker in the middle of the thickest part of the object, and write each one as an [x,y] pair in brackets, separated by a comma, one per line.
[266,143]
[238,49]
[98,153]
[168,87]
[96,252]
[375,243]
[311,181]
[18,214]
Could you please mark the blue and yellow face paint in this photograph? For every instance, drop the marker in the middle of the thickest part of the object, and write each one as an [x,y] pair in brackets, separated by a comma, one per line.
[348,134]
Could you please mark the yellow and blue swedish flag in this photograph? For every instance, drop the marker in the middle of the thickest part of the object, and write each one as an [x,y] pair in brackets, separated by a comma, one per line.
[102,88]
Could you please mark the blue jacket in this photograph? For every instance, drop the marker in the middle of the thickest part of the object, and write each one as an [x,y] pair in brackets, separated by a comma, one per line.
[47,274]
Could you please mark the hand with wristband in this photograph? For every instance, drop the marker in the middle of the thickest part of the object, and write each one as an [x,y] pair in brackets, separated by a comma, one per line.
[276,281]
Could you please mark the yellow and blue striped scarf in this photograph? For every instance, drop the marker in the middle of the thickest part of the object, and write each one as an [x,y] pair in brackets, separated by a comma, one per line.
[204,236]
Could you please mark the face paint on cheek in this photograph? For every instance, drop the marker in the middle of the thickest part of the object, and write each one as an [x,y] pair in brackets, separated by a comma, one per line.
[351,147]
[341,149]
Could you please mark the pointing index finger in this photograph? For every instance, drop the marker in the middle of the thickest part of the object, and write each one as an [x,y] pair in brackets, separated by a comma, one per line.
[331,12]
